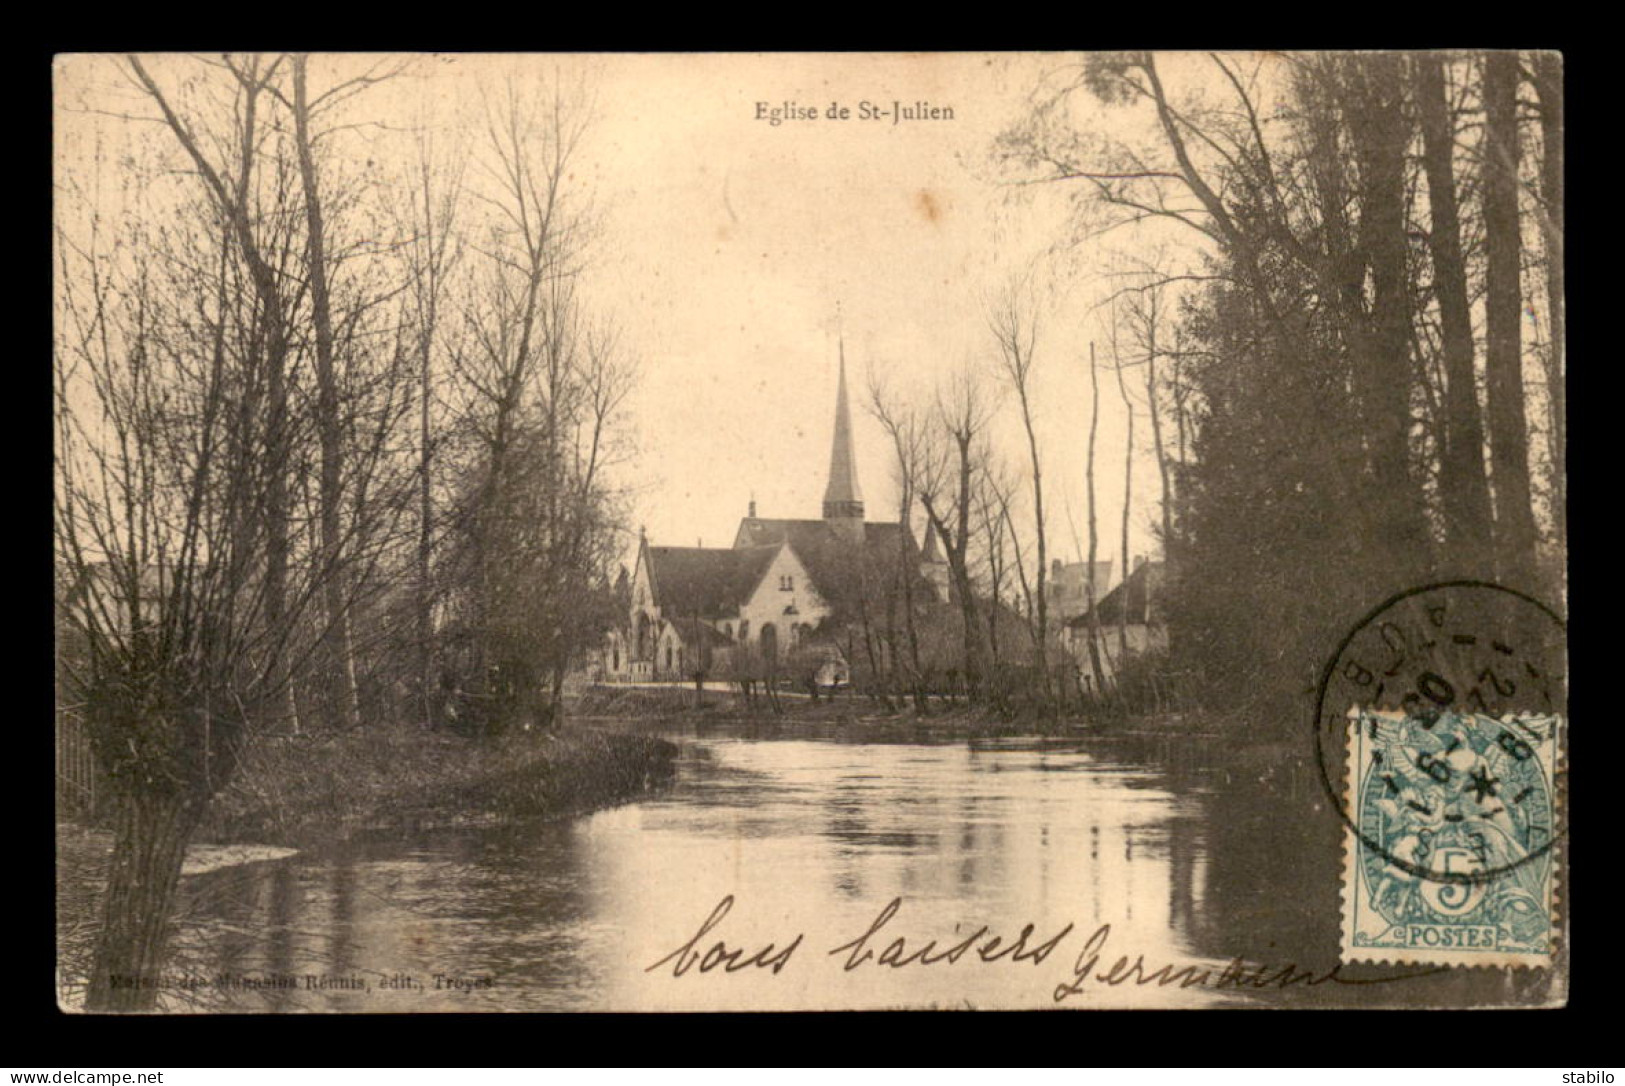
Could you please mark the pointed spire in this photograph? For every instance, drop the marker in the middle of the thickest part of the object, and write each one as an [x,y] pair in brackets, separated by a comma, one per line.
[842,497]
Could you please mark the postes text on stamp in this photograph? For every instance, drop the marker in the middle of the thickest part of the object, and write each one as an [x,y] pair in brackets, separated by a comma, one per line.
[1441,737]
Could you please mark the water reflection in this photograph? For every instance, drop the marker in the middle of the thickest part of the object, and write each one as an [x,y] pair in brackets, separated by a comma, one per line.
[813,838]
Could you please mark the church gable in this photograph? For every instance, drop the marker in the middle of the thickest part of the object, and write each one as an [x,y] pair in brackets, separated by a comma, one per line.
[642,592]
[786,596]
[833,561]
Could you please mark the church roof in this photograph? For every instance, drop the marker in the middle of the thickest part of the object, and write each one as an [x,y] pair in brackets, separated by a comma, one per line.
[830,559]
[694,633]
[711,582]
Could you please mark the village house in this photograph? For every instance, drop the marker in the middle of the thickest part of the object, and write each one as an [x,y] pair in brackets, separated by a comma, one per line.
[781,589]
[1134,609]
[1068,587]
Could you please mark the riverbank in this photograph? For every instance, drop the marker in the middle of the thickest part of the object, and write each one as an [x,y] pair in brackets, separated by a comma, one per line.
[312,792]
[861,715]
[302,791]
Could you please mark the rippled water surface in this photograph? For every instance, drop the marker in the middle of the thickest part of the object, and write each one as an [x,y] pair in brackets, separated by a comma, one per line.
[810,838]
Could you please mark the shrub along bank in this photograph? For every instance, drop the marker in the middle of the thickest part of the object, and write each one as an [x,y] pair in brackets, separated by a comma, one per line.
[307,790]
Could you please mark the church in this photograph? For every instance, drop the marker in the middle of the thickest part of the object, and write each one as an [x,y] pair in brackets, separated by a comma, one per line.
[784,597]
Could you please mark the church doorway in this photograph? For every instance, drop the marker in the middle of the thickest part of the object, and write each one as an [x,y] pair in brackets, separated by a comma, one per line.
[770,644]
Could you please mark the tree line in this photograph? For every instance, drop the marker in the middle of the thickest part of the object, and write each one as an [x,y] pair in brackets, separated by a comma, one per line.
[335,420]
[1329,288]
[1364,369]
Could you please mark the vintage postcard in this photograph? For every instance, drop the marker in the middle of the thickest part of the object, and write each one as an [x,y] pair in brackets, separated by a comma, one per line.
[786,532]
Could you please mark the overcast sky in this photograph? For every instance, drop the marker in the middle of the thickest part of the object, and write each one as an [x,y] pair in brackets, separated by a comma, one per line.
[729,242]
[733,241]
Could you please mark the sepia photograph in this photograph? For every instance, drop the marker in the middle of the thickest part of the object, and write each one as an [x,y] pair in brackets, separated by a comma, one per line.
[693,532]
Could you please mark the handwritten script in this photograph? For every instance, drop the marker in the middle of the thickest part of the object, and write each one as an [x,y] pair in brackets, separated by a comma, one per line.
[880,946]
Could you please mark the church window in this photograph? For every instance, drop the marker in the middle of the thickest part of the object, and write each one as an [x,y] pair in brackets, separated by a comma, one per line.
[787,583]
[744,630]
[668,657]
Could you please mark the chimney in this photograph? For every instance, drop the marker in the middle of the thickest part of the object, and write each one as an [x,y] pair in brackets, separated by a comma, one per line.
[1055,568]
[1139,560]
[752,513]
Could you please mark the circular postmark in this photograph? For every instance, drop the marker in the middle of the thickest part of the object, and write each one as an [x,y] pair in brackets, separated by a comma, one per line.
[1443,710]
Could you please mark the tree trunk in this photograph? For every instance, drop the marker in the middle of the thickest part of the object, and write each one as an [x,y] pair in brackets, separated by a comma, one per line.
[337,650]
[233,205]
[1384,371]
[1089,570]
[149,844]
[1128,493]
[1151,394]
[1464,490]
[1503,311]
[906,572]
[1041,603]
[1549,85]
[971,639]
[425,608]
[425,542]
[975,665]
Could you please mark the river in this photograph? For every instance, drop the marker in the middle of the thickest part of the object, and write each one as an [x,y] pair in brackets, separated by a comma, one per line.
[808,837]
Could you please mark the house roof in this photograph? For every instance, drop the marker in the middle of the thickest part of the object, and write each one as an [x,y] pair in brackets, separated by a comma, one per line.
[831,561]
[712,582]
[692,633]
[1135,596]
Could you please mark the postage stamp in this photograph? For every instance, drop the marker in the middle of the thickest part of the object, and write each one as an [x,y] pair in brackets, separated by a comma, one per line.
[1441,735]
[1449,857]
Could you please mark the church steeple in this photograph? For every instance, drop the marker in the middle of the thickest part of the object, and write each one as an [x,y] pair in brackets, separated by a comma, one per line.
[843,500]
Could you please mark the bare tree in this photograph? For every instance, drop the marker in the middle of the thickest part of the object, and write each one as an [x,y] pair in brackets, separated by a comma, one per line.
[253,77]
[1119,364]
[1464,489]
[1089,483]
[432,256]
[1014,323]
[908,447]
[171,503]
[1146,311]
[949,469]
[336,646]
[994,501]
[538,384]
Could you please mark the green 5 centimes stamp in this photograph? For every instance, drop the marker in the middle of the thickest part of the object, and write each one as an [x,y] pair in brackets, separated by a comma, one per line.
[1442,736]
[1460,809]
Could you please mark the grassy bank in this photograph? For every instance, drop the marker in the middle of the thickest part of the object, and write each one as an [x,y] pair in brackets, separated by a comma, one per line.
[306,790]
[862,714]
